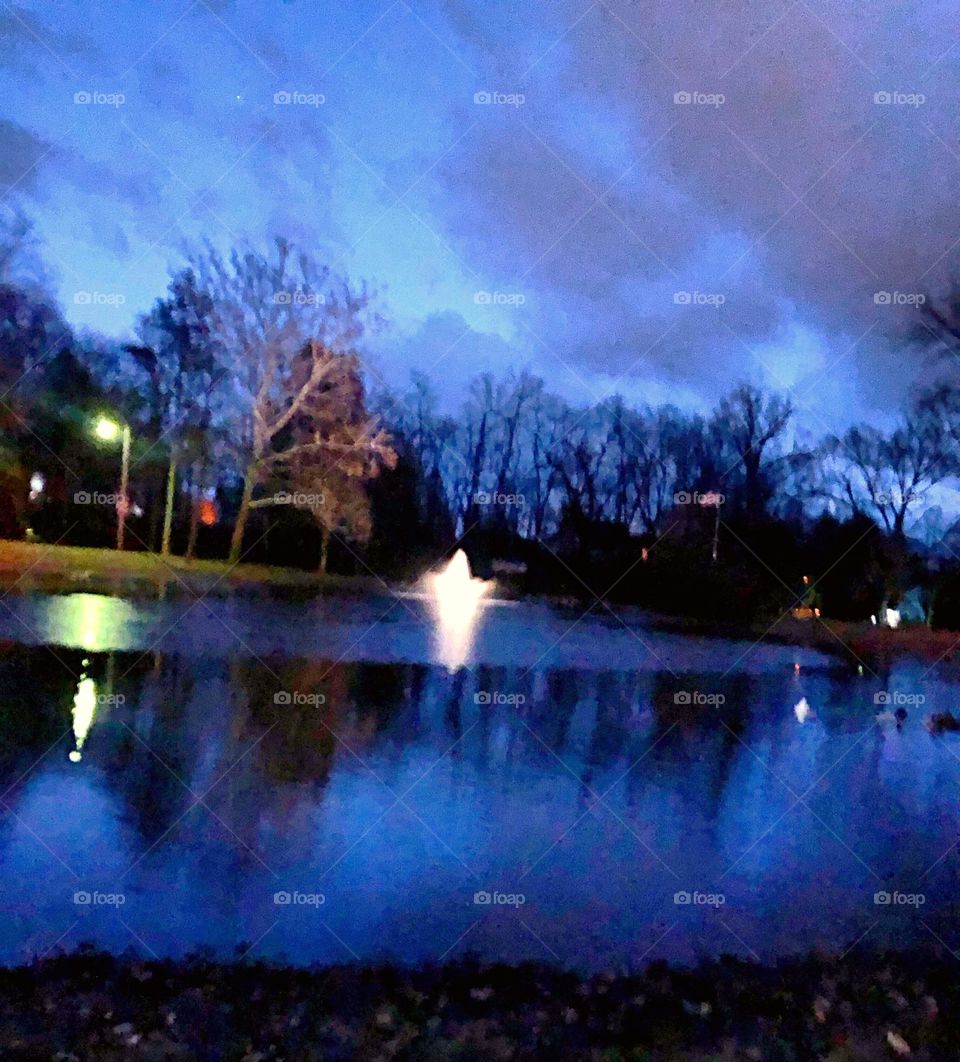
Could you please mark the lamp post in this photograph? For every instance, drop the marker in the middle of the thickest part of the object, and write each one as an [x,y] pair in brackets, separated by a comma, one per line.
[715,499]
[108,430]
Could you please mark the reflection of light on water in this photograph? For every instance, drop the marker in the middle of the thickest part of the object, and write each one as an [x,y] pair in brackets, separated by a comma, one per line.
[84,709]
[92,621]
[456,598]
[801,710]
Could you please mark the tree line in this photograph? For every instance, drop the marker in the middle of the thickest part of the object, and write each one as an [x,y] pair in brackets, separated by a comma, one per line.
[255,436]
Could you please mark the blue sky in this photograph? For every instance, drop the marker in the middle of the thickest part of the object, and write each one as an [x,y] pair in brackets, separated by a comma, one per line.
[577,194]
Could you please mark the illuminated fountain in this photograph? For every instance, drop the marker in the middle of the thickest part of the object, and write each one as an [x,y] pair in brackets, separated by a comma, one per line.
[456,599]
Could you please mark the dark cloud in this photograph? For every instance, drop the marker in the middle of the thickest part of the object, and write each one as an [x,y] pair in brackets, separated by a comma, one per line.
[686,245]
[447,348]
[22,154]
[797,198]
[137,187]
[24,38]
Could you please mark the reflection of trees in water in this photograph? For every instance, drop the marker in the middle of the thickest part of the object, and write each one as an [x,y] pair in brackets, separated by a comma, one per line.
[329,709]
[453,717]
[276,755]
[378,692]
[496,733]
[609,739]
[610,734]
[483,678]
[697,744]
[292,742]
[37,694]
[743,693]
[147,765]
[287,748]
[418,676]
[551,719]
[838,697]
[299,744]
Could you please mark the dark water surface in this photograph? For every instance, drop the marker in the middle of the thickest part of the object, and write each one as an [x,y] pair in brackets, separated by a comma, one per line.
[170,791]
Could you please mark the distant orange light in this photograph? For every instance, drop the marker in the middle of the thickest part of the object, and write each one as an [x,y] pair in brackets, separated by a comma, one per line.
[208,512]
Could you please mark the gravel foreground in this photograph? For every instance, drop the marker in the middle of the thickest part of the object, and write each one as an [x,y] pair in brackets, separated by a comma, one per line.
[90,1006]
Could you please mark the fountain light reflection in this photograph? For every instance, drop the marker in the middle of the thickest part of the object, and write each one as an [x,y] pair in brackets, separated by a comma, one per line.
[93,622]
[84,709]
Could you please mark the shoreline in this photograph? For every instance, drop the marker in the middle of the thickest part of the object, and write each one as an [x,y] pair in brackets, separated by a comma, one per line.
[858,643]
[30,567]
[33,568]
[866,1005]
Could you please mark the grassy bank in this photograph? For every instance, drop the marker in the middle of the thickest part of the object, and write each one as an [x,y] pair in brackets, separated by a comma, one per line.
[93,1007]
[35,567]
[866,643]
[27,567]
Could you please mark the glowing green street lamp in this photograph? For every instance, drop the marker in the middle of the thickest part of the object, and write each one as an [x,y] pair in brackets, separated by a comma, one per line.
[108,430]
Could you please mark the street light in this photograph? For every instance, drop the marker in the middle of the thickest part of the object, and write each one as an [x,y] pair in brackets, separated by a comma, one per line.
[108,430]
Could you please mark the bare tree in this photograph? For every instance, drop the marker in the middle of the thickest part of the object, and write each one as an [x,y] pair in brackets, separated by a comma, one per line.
[19,260]
[514,397]
[479,415]
[180,360]
[890,474]
[289,331]
[750,425]
[327,456]
[937,327]
[625,454]
[577,458]
[548,413]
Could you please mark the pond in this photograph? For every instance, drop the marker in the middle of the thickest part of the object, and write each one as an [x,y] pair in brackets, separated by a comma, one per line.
[310,783]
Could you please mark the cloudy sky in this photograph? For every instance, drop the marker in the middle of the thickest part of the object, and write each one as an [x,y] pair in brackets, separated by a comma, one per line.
[661,197]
